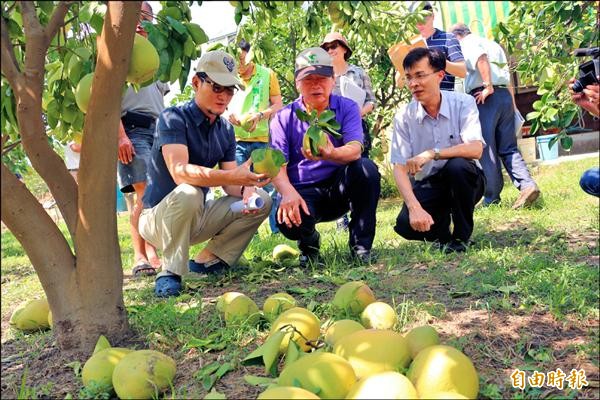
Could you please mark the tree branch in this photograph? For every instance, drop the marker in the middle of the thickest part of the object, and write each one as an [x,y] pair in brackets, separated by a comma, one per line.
[57,20]
[21,212]
[31,23]
[10,67]
[11,146]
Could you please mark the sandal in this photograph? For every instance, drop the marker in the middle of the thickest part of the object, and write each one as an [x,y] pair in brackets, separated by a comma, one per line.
[143,269]
[167,285]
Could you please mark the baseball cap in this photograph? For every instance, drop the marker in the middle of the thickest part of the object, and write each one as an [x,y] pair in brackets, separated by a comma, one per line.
[313,61]
[332,37]
[420,5]
[220,67]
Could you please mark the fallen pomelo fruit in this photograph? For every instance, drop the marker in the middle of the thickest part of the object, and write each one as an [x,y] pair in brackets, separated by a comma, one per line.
[384,385]
[420,338]
[31,315]
[242,309]
[142,374]
[372,351]
[276,304]
[98,369]
[443,368]
[286,392]
[378,315]
[226,298]
[283,251]
[324,373]
[303,321]
[340,329]
[353,297]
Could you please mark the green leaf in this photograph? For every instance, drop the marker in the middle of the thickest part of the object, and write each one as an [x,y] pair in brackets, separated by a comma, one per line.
[176,25]
[214,395]
[326,116]
[293,353]
[314,132]
[258,380]
[566,142]
[175,71]
[271,351]
[97,21]
[101,344]
[532,115]
[158,39]
[302,116]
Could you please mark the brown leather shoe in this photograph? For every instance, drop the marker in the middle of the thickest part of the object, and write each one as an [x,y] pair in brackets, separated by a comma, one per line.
[527,197]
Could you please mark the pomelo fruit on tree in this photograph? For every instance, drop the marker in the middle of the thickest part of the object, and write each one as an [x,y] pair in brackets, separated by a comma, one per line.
[83,92]
[144,61]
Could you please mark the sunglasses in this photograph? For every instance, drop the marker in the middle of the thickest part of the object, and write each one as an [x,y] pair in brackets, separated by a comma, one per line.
[216,88]
[331,46]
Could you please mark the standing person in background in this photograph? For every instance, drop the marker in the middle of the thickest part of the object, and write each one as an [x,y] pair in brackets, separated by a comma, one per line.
[337,46]
[488,80]
[443,41]
[139,112]
[72,155]
[258,103]
[589,99]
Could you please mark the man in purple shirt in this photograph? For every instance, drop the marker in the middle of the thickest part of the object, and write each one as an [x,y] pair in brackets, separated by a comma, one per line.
[322,188]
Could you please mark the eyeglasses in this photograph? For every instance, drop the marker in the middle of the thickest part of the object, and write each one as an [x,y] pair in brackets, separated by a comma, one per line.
[331,46]
[419,77]
[216,88]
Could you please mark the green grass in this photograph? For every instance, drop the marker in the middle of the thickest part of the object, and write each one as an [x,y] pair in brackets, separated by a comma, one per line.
[525,263]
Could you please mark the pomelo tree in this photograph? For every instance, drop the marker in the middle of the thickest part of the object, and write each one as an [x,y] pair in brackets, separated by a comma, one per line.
[47,47]
[541,36]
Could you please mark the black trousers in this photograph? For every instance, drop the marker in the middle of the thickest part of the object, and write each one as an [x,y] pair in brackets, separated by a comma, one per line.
[448,196]
[355,187]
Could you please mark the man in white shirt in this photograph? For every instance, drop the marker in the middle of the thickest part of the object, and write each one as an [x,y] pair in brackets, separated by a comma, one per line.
[488,80]
[435,147]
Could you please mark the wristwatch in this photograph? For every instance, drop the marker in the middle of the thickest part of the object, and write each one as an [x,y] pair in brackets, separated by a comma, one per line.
[436,154]
[261,116]
[486,84]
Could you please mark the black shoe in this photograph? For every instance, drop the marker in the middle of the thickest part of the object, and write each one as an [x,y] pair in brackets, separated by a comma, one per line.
[342,223]
[364,257]
[456,246]
[311,260]
[213,267]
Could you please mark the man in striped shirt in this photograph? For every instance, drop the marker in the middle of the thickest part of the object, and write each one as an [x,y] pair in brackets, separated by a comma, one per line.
[443,41]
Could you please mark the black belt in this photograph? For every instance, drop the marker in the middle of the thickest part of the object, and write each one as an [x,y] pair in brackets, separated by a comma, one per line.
[480,88]
[133,119]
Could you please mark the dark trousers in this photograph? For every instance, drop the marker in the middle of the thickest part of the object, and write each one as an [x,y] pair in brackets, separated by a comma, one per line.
[355,187]
[449,195]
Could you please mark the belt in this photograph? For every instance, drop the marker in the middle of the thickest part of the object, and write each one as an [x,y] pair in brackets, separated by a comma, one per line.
[133,119]
[480,88]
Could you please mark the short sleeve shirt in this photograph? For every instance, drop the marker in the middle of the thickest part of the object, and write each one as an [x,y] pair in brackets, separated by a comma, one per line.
[415,131]
[148,100]
[473,47]
[449,45]
[287,133]
[361,79]
[207,146]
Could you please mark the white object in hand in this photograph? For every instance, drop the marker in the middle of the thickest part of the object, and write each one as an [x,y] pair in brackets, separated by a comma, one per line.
[255,202]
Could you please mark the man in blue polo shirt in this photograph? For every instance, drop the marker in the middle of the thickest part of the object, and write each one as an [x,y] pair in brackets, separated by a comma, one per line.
[189,142]
[443,41]
[322,188]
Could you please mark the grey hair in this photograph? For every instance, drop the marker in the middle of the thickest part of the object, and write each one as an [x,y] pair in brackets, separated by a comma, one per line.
[460,29]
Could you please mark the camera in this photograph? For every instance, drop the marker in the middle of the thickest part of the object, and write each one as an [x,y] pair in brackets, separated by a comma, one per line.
[589,70]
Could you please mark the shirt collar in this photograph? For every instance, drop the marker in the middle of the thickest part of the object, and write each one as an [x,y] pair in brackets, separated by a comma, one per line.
[334,102]
[444,109]
[198,116]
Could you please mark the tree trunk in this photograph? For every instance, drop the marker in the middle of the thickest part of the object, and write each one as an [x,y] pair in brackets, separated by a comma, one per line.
[85,290]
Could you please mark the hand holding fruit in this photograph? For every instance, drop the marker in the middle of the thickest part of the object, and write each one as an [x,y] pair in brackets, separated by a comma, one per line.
[242,175]
[326,151]
[233,119]
[289,209]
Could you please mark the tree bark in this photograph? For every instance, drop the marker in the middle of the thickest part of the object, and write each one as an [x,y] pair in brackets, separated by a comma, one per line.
[85,292]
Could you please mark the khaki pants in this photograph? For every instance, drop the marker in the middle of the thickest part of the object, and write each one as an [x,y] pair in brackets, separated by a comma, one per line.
[183,218]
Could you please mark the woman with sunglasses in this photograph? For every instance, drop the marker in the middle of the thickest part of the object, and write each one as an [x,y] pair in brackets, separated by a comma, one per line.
[337,46]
